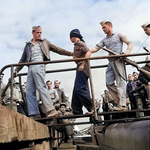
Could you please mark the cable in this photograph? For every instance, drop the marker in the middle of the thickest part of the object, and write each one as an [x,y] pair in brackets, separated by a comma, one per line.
[141,46]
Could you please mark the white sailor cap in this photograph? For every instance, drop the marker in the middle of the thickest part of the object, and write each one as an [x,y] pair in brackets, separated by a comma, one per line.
[103,22]
[145,25]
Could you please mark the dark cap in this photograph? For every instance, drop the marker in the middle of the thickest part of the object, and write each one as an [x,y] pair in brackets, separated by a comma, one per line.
[75,33]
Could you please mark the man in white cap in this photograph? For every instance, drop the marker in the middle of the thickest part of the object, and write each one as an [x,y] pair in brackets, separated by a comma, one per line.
[146,28]
[114,42]
[145,78]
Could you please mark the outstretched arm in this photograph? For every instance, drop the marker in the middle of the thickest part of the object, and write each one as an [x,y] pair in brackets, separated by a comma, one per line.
[94,49]
[128,42]
[57,49]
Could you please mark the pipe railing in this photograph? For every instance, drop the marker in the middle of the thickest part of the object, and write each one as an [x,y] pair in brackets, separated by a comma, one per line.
[62,61]
[70,60]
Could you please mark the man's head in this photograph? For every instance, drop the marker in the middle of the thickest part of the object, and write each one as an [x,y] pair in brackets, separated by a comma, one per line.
[148,59]
[56,83]
[146,28]
[105,91]
[49,84]
[106,26]
[36,32]
[135,75]
[67,98]
[62,107]
[23,88]
[130,77]
[75,36]
[16,85]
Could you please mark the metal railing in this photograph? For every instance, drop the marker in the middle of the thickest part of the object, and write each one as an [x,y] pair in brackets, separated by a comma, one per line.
[62,70]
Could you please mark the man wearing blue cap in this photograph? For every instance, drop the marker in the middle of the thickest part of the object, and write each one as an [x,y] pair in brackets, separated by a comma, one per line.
[81,95]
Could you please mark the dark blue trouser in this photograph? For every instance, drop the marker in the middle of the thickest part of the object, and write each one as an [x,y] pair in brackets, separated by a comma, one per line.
[81,95]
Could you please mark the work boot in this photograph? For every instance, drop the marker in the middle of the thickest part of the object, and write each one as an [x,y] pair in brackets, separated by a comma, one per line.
[52,113]
[35,117]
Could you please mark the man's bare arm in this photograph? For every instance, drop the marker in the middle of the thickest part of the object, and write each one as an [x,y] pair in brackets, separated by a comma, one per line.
[128,42]
[94,49]
[87,55]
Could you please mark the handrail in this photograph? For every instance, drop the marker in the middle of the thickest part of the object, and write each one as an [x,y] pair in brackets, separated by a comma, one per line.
[65,60]
[70,60]
[90,115]
[71,69]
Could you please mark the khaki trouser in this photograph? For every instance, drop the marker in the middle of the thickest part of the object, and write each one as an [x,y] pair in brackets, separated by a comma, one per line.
[117,92]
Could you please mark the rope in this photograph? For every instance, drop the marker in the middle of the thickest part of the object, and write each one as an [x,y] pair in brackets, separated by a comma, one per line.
[119,72]
[141,46]
[131,58]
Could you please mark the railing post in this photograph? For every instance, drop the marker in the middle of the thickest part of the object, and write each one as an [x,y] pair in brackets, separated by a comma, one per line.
[1,77]
[92,91]
[12,89]
[20,85]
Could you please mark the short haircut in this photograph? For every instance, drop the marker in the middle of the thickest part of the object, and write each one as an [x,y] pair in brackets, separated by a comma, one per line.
[135,72]
[108,23]
[56,81]
[129,74]
[34,28]
[48,81]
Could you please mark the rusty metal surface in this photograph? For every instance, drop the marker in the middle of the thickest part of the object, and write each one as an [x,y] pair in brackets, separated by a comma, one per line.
[69,124]
[101,114]
[123,112]
[64,117]
[125,136]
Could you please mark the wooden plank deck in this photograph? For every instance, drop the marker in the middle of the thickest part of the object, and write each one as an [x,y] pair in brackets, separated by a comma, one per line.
[15,126]
[17,130]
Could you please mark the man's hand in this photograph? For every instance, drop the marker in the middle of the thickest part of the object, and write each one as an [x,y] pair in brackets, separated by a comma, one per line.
[122,58]
[81,67]
[20,101]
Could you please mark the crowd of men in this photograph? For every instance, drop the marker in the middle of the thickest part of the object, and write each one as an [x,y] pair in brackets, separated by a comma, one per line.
[136,84]
[39,99]
[56,94]
[60,101]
